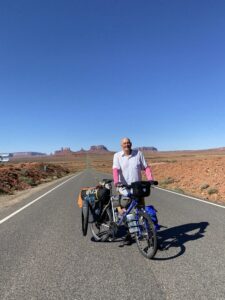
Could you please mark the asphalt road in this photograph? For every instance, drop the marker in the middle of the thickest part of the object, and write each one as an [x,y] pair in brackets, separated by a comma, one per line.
[43,254]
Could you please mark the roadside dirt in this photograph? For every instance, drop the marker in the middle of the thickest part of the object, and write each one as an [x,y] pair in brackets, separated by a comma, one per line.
[19,180]
[203,178]
[18,196]
[17,177]
[197,174]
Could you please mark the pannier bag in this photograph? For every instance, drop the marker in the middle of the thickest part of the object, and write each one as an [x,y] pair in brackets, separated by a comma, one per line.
[140,189]
[81,196]
[151,211]
[92,195]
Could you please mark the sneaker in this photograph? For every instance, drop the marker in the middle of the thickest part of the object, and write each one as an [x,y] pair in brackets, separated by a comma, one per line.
[128,240]
[160,247]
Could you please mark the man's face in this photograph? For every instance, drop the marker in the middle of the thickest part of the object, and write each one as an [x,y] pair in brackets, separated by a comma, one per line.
[126,145]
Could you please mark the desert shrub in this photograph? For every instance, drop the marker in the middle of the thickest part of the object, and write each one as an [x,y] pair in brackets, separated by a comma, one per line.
[204,186]
[165,160]
[2,192]
[212,191]
[28,180]
[178,190]
[167,180]
[24,172]
[43,167]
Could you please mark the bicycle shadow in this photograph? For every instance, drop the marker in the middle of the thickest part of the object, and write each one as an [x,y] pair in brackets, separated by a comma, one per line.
[176,237]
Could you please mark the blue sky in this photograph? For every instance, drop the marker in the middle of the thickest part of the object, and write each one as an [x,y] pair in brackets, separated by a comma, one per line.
[81,73]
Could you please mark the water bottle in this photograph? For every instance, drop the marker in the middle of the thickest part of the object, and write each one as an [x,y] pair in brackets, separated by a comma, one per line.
[116,215]
[132,223]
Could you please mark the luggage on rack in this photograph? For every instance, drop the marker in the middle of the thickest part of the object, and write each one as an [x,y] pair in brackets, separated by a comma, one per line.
[91,200]
[93,195]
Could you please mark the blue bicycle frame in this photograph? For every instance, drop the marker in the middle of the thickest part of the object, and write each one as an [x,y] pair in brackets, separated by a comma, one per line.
[131,206]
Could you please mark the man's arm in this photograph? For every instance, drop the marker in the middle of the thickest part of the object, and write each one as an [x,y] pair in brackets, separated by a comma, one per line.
[146,167]
[115,176]
[116,167]
[148,173]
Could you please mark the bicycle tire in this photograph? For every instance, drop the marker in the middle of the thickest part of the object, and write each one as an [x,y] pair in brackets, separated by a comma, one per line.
[146,236]
[84,219]
[100,229]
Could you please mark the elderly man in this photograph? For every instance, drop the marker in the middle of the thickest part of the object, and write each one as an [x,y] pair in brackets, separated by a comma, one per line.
[127,167]
[128,164]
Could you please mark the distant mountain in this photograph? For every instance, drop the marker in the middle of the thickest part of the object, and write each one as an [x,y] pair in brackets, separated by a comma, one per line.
[144,148]
[220,149]
[98,148]
[81,151]
[63,151]
[93,149]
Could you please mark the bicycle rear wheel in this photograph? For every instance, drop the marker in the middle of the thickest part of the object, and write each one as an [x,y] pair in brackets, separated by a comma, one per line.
[84,218]
[146,238]
[101,227]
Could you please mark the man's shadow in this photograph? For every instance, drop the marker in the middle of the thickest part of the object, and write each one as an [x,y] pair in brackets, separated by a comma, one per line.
[176,237]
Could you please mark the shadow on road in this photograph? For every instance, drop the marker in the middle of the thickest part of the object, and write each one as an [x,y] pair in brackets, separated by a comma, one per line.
[176,237]
[120,235]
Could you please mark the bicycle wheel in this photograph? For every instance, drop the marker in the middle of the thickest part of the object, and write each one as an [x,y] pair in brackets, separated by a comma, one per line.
[101,227]
[146,238]
[84,218]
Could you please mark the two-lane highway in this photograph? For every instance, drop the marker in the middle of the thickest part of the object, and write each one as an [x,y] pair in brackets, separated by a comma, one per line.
[43,254]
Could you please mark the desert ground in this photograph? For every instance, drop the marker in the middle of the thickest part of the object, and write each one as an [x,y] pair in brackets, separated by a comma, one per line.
[195,173]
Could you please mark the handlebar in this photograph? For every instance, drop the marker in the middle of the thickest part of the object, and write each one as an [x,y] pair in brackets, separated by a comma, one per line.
[151,182]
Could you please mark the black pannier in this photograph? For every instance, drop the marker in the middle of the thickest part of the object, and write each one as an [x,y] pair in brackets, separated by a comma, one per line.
[141,189]
[103,194]
[95,198]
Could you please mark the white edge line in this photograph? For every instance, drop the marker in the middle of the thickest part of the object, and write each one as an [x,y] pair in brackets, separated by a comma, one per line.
[35,200]
[193,198]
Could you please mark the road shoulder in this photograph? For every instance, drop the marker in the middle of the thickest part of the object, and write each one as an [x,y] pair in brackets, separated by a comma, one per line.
[10,203]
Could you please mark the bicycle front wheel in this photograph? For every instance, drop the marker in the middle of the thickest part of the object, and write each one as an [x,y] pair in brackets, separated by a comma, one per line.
[146,238]
[100,229]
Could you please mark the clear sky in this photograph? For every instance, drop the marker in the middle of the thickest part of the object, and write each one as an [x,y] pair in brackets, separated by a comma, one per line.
[81,73]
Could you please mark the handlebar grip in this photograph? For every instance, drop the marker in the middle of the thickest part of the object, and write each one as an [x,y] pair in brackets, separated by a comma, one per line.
[153,182]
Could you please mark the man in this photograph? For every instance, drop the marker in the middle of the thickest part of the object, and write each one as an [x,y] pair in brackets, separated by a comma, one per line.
[127,167]
[128,164]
